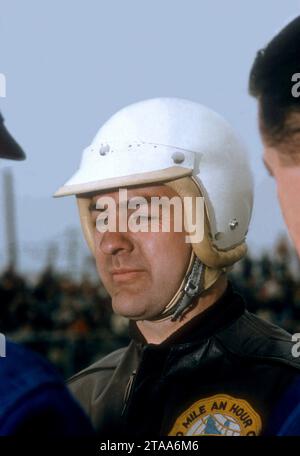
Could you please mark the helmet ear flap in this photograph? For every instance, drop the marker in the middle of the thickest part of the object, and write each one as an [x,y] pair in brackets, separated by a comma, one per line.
[205,250]
[83,203]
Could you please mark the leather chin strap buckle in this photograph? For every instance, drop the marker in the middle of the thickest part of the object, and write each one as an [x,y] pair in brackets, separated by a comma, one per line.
[193,288]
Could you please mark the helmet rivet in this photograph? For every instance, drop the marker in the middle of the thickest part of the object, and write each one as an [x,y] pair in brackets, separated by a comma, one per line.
[178,157]
[233,224]
[104,149]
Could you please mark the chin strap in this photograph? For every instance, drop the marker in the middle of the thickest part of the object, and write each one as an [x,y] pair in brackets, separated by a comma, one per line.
[192,288]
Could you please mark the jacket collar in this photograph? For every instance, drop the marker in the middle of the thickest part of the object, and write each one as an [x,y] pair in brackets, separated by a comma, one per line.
[223,312]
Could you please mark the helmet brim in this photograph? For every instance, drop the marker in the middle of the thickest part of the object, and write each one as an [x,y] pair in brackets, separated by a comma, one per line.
[152,177]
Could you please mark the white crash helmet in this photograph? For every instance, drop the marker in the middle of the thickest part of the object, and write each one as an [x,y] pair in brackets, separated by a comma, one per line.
[193,150]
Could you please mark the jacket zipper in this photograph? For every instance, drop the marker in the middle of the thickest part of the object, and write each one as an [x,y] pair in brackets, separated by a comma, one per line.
[128,391]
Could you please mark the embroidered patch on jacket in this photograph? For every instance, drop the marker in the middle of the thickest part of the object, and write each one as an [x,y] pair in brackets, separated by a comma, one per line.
[218,415]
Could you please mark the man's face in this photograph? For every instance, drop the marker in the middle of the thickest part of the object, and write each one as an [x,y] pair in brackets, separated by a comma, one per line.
[283,163]
[141,270]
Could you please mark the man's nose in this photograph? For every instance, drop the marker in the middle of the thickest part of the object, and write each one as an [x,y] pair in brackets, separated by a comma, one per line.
[114,242]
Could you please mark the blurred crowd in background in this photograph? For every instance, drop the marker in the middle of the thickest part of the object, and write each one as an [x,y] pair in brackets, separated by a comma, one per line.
[71,323]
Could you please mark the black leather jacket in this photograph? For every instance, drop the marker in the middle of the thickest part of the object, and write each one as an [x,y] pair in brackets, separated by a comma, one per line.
[221,373]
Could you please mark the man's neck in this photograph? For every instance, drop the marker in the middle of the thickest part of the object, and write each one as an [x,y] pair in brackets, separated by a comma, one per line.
[155,332]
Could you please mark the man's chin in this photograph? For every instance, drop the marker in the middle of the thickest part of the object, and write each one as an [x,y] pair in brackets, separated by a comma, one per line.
[133,309]
[128,309]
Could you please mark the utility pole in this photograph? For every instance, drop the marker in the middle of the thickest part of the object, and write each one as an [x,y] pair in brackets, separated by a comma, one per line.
[10,220]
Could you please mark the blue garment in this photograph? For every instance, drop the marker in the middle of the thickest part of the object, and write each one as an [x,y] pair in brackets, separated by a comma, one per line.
[34,399]
[285,417]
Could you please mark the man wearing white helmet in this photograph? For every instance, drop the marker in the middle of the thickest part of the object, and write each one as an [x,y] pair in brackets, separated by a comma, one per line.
[198,362]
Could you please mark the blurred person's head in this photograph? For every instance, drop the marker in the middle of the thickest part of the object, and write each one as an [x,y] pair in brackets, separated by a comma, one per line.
[275,82]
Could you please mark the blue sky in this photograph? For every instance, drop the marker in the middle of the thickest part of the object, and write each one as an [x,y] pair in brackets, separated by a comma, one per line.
[70,65]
